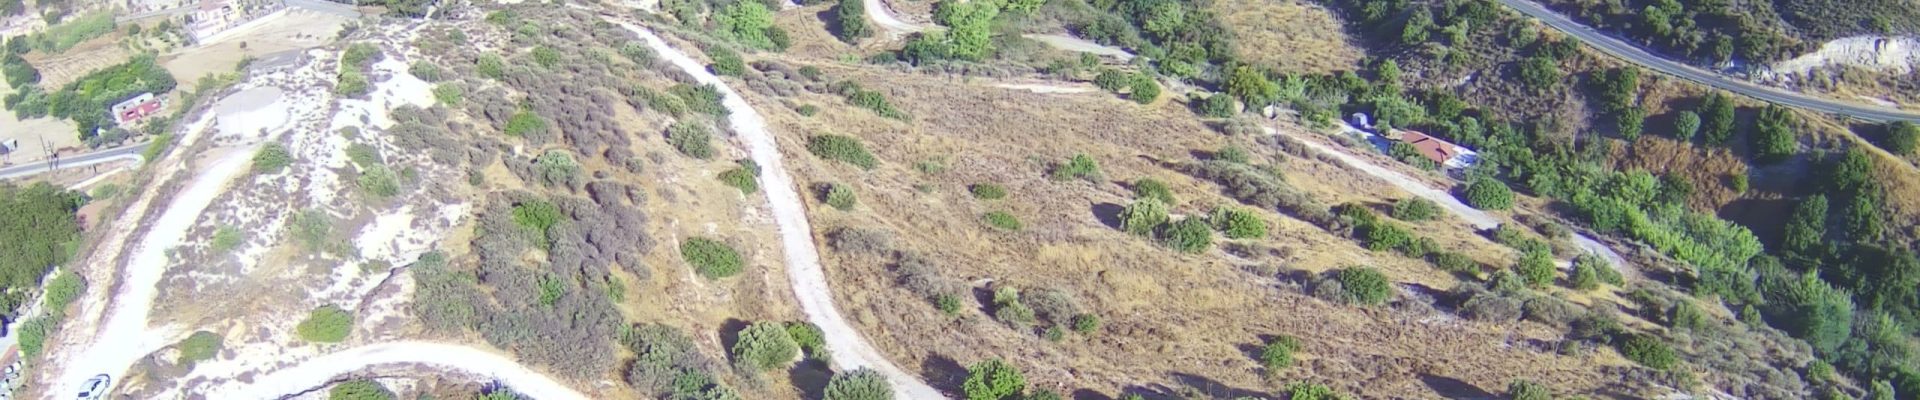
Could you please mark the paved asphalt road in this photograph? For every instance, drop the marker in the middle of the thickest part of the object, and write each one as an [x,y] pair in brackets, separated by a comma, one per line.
[129,152]
[1637,55]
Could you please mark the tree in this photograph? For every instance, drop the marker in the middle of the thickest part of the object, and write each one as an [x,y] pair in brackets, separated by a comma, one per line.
[1804,241]
[36,225]
[1365,285]
[1489,194]
[859,384]
[746,22]
[1812,310]
[1773,139]
[1417,26]
[327,324]
[1686,125]
[1718,119]
[1388,71]
[1903,137]
[993,379]
[359,390]
[765,345]
[1143,216]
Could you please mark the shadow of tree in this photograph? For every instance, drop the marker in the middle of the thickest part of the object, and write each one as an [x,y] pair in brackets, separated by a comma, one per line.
[944,373]
[1213,388]
[1108,214]
[1453,388]
[810,378]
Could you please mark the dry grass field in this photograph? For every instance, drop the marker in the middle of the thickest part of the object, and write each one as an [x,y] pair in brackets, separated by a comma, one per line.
[1292,35]
[1174,323]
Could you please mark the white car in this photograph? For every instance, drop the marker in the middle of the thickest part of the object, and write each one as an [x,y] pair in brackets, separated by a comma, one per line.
[95,388]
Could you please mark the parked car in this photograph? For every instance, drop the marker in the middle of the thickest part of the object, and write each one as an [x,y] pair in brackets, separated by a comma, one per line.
[95,388]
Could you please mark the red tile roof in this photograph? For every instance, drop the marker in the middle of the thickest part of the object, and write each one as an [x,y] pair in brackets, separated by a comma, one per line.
[1435,149]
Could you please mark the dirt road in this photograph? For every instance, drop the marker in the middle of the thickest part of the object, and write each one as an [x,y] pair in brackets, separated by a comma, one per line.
[1479,219]
[850,350]
[317,372]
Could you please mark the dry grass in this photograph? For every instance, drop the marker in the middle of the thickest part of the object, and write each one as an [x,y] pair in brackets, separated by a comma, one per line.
[1173,321]
[1709,168]
[1292,35]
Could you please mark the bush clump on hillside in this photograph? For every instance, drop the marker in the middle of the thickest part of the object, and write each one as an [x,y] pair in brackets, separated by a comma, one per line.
[987,191]
[1191,235]
[838,196]
[359,390]
[1527,390]
[200,346]
[691,139]
[765,346]
[1149,188]
[1143,216]
[1277,354]
[1489,194]
[744,177]
[711,258]
[1648,351]
[1365,285]
[842,148]
[1415,209]
[993,379]
[1003,220]
[327,324]
[1239,223]
[1080,166]
[271,158]
[859,384]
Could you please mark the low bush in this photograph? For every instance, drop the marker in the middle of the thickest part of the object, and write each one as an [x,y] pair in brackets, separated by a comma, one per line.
[1002,220]
[1143,89]
[1080,166]
[448,94]
[1527,390]
[1143,216]
[1488,194]
[838,196]
[1648,351]
[987,191]
[1232,154]
[743,177]
[704,99]
[765,346]
[1365,285]
[1415,209]
[1312,391]
[691,139]
[359,390]
[1277,354]
[841,148]
[526,124]
[1086,324]
[1149,188]
[1536,266]
[993,379]
[726,62]
[859,384]
[711,258]
[327,324]
[1239,223]
[1191,235]
[809,337]
[271,158]
[200,346]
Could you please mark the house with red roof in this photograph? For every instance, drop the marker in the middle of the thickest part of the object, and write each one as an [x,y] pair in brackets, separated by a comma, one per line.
[1442,152]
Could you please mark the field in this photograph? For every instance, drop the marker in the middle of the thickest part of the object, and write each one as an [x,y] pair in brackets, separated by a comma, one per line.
[1293,35]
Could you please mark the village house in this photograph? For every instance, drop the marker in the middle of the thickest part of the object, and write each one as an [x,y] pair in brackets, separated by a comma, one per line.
[1442,152]
[137,108]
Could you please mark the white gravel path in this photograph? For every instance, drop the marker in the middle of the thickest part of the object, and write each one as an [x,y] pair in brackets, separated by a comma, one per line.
[319,371]
[850,350]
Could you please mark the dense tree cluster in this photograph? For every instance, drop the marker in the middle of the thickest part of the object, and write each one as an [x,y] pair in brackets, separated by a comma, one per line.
[37,227]
[87,99]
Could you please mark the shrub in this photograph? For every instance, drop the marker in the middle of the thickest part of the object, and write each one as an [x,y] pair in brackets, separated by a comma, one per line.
[1080,166]
[448,94]
[1219,105]
[765,346]
[1111,80]
[988,191]
[1365,285]
[1277,354]
[547,57]
[853,21]
[839,196]
[1489,194]
[1144,89]
[62,290]
[312,228]
[379,181]
[1086,324]
[200,346]
[1455,262]
[704,99]
[1143,216]
[742,177]
[33,334]
[359,390]
[859,384]
[327,324]
[993,379]
[1191,235]
[1648,351]
[271,158]
[1149,188]
[1903,137]
[1585,277]
[691,139]
[807,110]
[1536,266]
[1002,220]
[1239,223]
[841,148]
[1233,154]
[876,102]
[351,84]
[225,238]
[711,258]
[526,124]
[1527,390]
[809,337]
[726,62]
[1686,125]
[1415,209]
[1312,391]
[425,71]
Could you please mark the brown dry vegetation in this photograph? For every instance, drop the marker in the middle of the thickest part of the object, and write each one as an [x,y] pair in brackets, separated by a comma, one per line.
[1173,322]
[1293,35]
